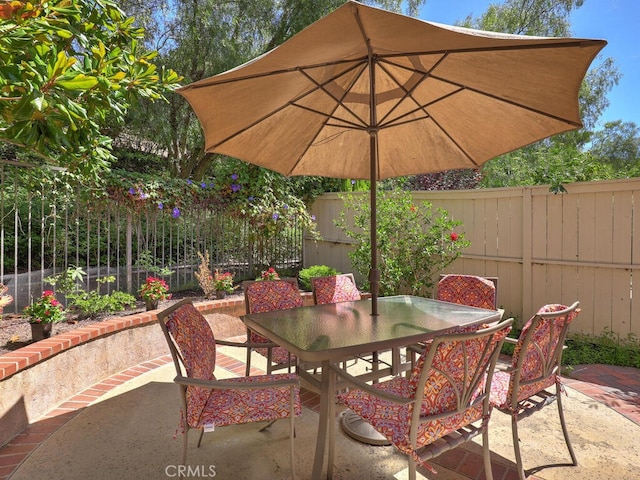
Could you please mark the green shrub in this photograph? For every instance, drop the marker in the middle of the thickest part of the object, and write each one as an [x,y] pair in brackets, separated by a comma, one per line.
[415,241]
[306,274]
[91,303]
[607,349]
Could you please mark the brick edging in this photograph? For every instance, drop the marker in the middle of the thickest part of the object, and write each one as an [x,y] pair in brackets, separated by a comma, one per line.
[25,357]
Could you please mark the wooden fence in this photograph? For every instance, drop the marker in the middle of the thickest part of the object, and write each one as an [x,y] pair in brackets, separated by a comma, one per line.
[544,248]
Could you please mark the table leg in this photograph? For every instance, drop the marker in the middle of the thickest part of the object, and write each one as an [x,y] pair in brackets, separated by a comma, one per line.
[323,423]
[331,420]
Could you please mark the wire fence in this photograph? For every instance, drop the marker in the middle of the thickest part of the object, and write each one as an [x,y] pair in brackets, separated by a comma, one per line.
[47,228]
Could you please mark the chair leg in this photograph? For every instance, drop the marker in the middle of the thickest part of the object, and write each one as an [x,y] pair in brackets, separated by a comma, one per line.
[200,437]
[516,447]
[486,453]
[292,432]
[565,432]
[412,468]
[185,444]
[248,364]
[267,426]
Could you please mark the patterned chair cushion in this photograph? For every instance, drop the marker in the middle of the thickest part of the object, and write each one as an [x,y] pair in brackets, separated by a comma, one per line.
[229,407]
[543,340]
[271,295]
[393,420]
[266,296]
[334,289]
[467,290]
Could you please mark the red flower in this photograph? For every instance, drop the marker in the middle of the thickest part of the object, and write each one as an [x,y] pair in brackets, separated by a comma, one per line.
[454,236]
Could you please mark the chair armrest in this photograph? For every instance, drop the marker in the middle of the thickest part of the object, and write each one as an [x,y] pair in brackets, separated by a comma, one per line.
[227,385]
[416,348]
[368,388]
[512,341]
[227,343]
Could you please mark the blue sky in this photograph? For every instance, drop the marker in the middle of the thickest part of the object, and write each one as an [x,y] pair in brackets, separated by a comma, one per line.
[613,20]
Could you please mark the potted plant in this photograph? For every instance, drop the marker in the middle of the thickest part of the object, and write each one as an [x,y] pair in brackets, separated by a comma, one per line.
[43,313]
[269,274]
[152,291]
[223,283]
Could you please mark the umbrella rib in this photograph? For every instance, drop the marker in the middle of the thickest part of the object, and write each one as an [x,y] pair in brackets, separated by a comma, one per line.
[462,87]
[339,101]
[571,43]
[408,92]
[293,102]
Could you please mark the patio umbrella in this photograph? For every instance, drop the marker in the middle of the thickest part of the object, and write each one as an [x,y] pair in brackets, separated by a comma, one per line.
[368,94]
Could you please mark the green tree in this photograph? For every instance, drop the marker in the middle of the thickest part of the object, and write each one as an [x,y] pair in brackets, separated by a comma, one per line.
[67,69]
[617,144]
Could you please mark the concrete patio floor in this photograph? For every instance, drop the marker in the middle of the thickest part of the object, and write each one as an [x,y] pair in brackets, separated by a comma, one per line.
[123,428]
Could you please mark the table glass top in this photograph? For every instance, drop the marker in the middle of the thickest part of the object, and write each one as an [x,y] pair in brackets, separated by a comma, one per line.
[349,327]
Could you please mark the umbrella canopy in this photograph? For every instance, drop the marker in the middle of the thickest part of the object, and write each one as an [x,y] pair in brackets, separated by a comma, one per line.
[367,94]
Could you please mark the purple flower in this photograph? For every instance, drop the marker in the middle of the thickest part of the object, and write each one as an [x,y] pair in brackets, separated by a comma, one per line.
[176,212]
[353,182]
[160,206]
[275,216]
[211,184]
[234,176]
[132,191]
[203,184]
[286,207]
[189,182]
[143,195]
[313,218]
[235,187]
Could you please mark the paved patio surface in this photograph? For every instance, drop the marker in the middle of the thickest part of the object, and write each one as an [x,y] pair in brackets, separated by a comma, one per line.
[124,427]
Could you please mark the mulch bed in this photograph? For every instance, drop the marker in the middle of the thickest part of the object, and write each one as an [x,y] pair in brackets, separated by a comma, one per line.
[15,331]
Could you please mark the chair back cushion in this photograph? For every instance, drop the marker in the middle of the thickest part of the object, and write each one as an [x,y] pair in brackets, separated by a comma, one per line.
[467,290]
[194,339]
[196,344]
[268,295]
[334,289]
[540,342]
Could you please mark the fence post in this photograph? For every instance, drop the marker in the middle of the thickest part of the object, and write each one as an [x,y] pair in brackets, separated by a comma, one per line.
[129,252]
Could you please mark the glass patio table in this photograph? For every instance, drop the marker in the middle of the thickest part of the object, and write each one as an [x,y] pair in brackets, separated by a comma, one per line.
[333,332]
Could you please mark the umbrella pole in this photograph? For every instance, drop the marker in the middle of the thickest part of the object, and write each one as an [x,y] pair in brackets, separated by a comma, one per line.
[374,273]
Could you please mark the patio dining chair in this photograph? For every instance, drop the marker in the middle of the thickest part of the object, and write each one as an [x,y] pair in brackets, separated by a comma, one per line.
[265,296]
[442,404]
[469,290]
[334,289]
[521,389]
[208,402]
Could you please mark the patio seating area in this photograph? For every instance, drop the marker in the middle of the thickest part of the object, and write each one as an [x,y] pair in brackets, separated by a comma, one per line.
[123,427]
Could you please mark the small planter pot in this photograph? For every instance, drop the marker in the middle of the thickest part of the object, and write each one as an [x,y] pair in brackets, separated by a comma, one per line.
[151,304]
[220,294]
[40,331]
